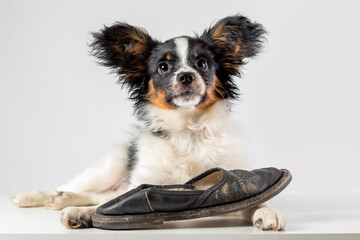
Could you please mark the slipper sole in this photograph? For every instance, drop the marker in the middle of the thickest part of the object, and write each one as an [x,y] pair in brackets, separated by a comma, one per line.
[122,222]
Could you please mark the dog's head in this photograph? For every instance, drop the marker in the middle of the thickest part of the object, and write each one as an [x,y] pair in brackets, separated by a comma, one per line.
[183,71]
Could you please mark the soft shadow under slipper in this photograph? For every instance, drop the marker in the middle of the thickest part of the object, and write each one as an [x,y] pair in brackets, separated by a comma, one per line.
[214,192]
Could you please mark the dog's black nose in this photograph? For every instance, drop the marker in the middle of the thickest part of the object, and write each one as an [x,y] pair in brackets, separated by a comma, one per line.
[186,78]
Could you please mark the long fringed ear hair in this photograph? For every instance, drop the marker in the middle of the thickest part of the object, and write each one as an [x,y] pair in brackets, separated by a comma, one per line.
[233,39]
[125,49]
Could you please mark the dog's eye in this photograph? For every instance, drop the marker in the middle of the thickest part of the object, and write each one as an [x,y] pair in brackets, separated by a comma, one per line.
[163,67]
[202,64]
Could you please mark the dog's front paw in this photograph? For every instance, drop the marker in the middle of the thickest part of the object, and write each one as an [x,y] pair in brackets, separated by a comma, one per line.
[266,218]
[61,200]
[32,199]
[77,217]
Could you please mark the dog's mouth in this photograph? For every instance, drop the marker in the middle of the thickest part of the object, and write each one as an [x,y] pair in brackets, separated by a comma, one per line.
[187,94]
[187,98]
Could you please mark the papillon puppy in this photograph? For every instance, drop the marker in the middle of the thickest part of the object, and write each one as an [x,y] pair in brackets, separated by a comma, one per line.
[182,91]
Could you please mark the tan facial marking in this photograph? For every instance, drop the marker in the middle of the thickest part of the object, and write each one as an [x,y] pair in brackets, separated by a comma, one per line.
[211,97]
[168,56]
[157,97]
[196,54]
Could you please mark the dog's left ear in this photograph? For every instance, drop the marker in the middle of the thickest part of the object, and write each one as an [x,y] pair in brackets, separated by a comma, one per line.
[232,39]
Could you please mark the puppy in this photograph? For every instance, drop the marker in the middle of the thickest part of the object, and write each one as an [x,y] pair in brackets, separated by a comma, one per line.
[182,91]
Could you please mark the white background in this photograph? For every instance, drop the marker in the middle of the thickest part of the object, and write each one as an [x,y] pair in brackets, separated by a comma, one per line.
[59,111]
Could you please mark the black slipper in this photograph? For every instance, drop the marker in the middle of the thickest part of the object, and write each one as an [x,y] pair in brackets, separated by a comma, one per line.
[214,192]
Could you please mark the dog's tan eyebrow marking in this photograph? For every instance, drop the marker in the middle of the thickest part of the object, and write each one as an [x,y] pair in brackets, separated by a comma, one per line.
[196,54]
[168,56]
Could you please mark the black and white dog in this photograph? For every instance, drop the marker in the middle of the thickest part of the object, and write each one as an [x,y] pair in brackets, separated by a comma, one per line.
[181,90]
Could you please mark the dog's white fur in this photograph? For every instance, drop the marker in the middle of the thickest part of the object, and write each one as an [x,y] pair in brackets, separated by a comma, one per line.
[182,47]
[197,140]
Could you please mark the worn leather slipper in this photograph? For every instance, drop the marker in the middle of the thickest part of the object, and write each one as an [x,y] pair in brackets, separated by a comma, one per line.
[213,192]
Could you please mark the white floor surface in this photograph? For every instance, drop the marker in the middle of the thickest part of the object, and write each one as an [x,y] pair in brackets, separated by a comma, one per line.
[308,217]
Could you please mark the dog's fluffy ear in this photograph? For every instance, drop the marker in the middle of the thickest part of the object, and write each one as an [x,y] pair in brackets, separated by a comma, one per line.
[125,49]
[233,39]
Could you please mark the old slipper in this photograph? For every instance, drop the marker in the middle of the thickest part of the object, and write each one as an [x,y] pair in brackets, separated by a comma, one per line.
[214,192]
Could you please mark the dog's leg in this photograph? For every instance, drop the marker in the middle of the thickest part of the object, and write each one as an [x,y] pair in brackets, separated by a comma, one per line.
[69,199]
[265,218]
[64,199]
[107,174]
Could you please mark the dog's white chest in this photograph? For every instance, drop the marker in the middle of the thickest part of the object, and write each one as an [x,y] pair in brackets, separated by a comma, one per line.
[199,144]
[193,144]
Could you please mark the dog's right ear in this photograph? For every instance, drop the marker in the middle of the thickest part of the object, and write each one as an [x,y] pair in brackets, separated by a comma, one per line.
[125,49]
